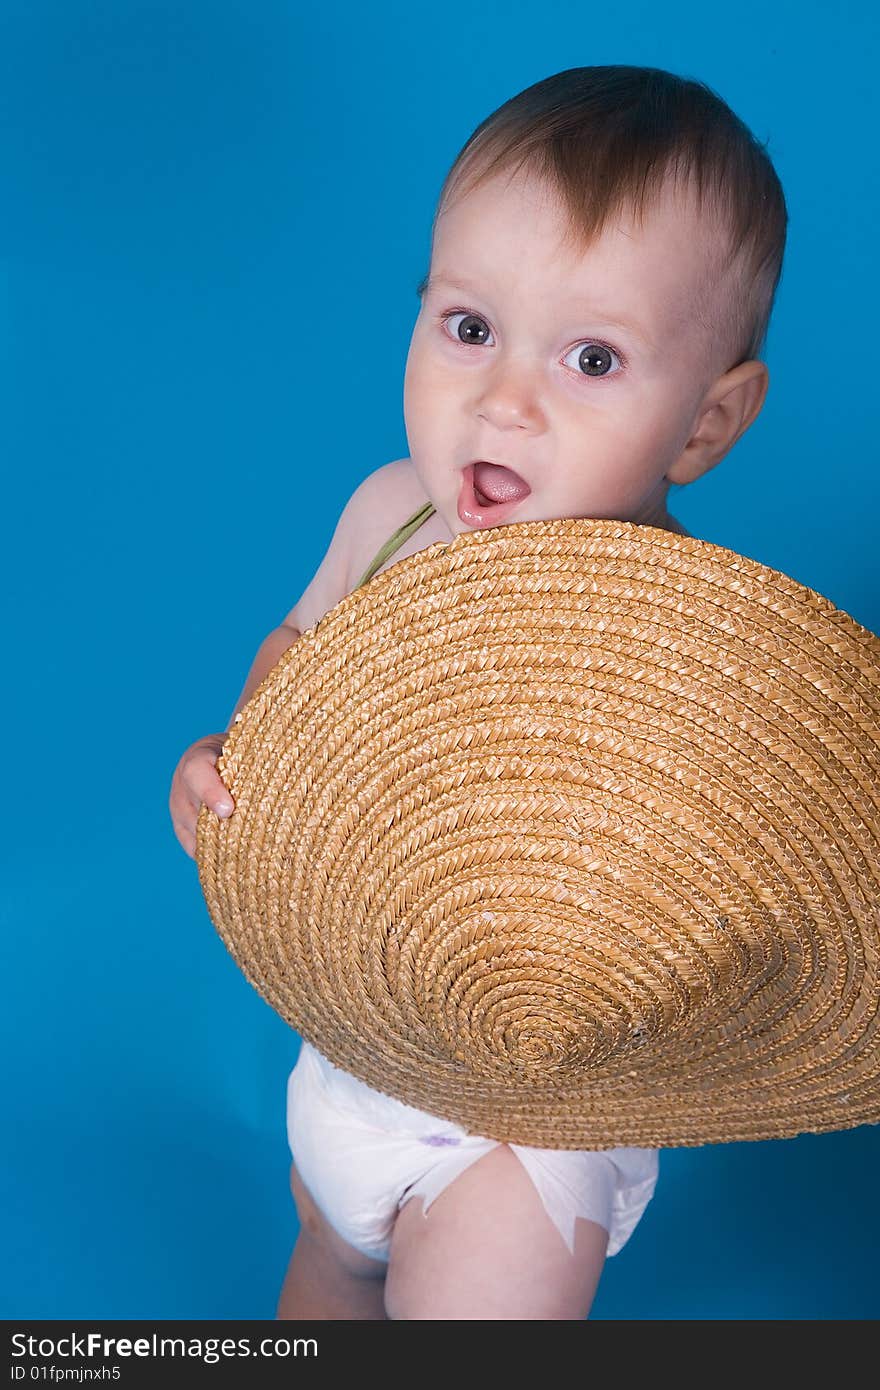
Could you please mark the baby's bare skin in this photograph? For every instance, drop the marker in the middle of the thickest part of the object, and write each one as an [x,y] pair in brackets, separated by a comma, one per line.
[398,493]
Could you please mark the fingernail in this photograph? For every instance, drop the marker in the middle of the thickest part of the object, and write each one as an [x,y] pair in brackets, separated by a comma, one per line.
[224,808]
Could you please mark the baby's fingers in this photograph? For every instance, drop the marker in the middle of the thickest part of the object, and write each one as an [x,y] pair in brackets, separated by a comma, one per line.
[202,782]
[196,782]
[221,801]
[215,797]
[206,785]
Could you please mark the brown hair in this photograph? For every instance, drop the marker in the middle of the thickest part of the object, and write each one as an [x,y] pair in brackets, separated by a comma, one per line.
[607,138]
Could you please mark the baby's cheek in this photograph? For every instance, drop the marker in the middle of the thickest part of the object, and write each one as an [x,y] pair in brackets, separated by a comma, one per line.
[413,396]
[426,413]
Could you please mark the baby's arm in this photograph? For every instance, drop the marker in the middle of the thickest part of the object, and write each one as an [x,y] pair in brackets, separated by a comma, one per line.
[196,780]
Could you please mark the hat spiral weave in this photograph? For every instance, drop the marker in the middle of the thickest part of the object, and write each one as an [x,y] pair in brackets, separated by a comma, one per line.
[569,832]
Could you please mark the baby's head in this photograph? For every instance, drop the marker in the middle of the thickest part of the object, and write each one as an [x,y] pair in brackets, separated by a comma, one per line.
[604,260]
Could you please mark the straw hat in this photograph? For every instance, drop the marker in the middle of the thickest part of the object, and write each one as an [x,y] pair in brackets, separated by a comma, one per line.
[567,831]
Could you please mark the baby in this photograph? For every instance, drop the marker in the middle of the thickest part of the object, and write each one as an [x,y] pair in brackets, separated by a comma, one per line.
[604,260]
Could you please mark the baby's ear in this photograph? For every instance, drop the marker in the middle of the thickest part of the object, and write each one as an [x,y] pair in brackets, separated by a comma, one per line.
[729,407]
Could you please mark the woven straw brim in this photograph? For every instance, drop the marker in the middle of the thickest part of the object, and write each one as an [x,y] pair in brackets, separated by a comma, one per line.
[567,831]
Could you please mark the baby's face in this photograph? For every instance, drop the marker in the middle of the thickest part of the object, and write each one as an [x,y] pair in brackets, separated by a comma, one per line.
[582,372]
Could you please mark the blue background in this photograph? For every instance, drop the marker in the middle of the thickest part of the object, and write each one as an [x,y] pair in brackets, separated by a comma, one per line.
[214,218]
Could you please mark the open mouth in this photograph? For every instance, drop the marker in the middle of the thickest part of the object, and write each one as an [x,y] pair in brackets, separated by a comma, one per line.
[489,491]
[493,483]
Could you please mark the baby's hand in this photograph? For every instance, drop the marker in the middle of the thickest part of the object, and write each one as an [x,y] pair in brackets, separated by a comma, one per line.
[196,780]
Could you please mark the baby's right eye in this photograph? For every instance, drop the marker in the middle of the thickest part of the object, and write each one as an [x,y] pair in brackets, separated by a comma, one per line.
[473,326]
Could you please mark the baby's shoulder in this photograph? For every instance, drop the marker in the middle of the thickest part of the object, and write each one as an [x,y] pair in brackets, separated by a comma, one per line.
[361,525]
[393,496]
[392,488]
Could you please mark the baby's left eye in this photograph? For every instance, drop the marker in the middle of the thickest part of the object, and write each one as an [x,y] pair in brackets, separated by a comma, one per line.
[592,359]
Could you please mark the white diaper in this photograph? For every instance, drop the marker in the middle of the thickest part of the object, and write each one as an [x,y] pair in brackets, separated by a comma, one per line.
[362,1155]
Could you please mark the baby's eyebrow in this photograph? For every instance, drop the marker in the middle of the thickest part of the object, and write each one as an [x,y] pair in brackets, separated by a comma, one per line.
[462,282]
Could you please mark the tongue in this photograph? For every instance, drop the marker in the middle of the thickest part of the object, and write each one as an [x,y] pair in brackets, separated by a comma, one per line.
[499,484]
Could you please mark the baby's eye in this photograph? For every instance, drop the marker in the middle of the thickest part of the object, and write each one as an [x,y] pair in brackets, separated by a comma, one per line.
[593,359]
[472,330]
